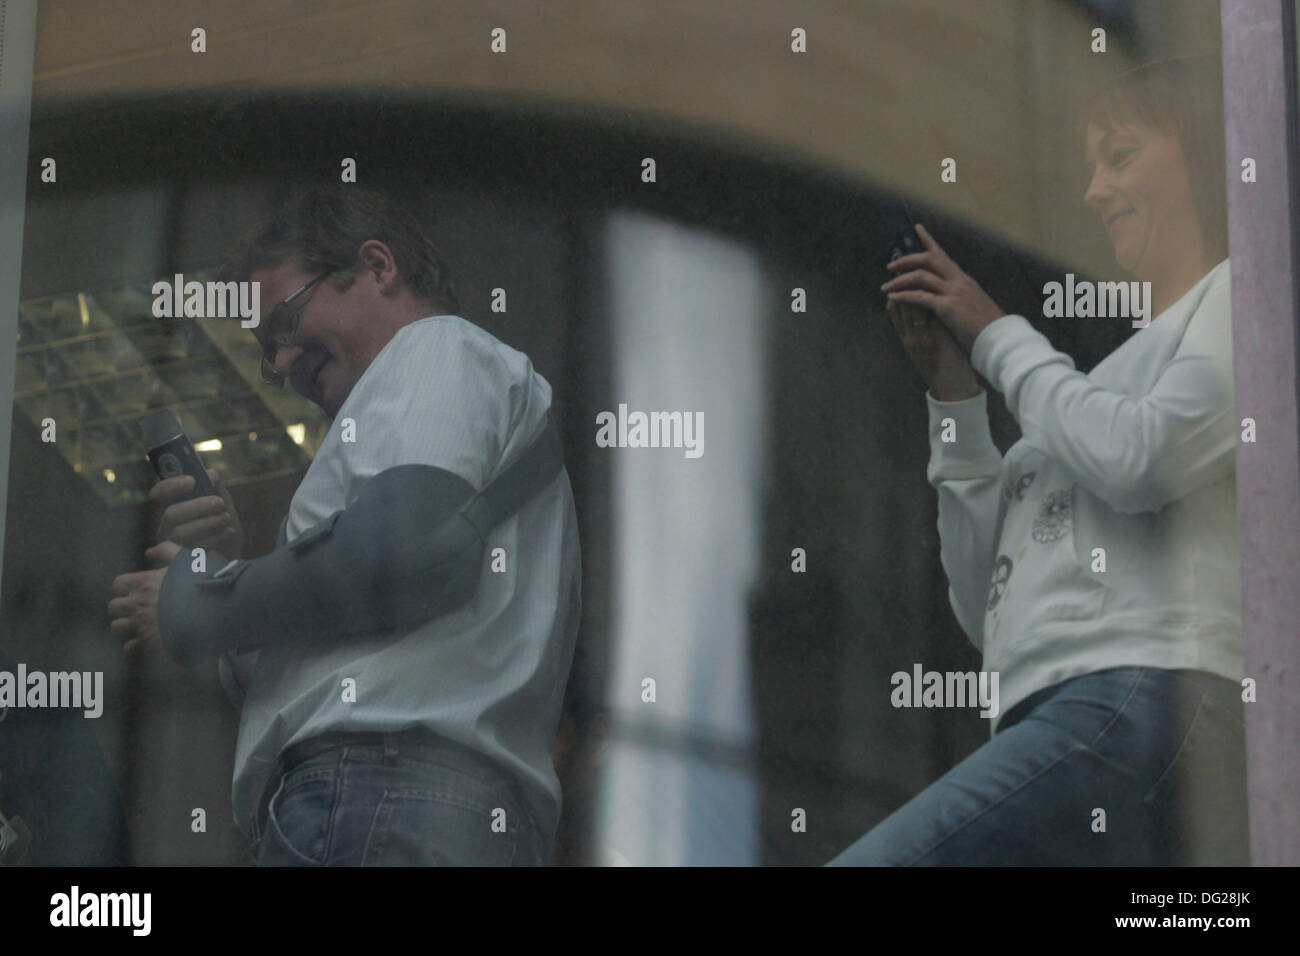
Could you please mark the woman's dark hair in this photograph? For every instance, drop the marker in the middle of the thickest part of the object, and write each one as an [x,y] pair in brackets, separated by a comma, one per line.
[319,229]
[1183,96]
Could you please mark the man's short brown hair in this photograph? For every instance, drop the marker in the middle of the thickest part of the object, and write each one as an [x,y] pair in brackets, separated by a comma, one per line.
[320,229]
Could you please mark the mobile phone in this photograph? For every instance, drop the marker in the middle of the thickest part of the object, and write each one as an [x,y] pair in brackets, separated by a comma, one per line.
[172,453]
[901,232]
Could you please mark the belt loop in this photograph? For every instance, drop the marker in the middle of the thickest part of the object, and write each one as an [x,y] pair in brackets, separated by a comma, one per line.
[390,745]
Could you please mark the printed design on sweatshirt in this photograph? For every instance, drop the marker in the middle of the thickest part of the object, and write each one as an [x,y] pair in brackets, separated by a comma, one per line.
[1022,485]
[1022,468]
[1053,519]
[1016,482]
[1001,579]
[1000,594]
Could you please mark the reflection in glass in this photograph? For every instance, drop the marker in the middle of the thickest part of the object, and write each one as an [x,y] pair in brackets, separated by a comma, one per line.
[687,326]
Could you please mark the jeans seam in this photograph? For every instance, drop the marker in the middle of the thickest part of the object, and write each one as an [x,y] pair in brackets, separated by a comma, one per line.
[1074,748]
[1132,691]
[386,803]
[1182,747]
[370,835]
[301,780]
[441,796]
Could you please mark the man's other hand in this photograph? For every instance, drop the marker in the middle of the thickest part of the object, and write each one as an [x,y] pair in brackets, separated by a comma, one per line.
[134,611]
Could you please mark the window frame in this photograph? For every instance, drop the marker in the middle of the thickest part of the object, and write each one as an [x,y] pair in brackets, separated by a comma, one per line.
[1260,94]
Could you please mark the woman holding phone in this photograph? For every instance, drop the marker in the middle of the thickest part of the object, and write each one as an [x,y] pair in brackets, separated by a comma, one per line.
[1095,564]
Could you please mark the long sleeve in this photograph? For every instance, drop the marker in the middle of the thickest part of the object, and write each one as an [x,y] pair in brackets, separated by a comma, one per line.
[1134,453]
[234,668]
[408,549]
[966,473]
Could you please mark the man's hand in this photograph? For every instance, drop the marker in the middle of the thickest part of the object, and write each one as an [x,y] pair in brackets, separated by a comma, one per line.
[936,282]
[134,612]
[210,523]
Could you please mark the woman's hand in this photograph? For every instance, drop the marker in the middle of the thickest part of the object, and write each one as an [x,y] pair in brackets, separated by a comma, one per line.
[944,366]
[934,281]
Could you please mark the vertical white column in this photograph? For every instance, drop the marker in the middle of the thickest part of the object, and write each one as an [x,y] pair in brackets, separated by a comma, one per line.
[687,327]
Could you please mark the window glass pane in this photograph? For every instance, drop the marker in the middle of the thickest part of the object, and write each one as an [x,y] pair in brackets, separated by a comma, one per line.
[818,570]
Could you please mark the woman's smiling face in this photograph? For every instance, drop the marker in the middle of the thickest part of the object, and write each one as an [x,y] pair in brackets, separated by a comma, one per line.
[1142,190]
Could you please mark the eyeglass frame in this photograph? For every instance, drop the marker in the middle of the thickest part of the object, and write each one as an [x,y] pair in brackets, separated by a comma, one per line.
[270,374]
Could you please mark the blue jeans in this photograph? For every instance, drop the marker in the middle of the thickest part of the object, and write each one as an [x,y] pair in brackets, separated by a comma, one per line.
[1160,753]
[399,803]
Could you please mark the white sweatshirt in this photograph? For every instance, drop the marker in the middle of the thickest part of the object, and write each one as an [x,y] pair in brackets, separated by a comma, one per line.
[1107,536]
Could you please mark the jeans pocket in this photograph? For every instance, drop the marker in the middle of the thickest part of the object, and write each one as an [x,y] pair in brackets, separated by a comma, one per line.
[300,818]
[415,827]
[1199,800]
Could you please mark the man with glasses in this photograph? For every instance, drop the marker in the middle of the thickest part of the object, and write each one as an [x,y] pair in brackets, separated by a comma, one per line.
[282,328]
[381,724]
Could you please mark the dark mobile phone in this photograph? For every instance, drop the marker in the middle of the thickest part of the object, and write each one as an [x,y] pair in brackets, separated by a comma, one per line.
[172,453]
[901,232]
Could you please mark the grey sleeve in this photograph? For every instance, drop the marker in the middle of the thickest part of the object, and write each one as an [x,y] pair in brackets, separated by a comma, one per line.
[409,548]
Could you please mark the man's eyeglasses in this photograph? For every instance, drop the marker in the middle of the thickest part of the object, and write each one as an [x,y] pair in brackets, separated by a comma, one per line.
[282,328]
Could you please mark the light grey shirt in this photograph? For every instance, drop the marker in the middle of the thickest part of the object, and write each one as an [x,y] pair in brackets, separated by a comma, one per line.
[490,674]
